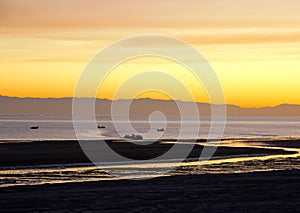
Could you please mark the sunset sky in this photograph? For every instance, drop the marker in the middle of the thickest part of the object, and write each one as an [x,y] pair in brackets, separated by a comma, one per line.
[253,46]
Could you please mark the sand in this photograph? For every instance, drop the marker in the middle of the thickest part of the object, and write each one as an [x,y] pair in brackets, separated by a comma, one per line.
[64,152]
[277,191]
[271,191]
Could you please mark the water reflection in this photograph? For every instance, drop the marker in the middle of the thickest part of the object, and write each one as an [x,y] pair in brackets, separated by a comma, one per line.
[218,165]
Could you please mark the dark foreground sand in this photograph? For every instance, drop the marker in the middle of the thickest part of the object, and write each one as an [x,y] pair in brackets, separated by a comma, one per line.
[273,191]
[65,152]
[277,191]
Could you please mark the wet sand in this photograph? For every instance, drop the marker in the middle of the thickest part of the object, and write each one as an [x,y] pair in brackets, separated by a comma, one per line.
[272,191]
[69,152]
[276,191]
[288,143]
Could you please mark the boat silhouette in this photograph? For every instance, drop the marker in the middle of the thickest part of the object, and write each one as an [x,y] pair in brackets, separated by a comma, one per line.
[34,127]
[134,137]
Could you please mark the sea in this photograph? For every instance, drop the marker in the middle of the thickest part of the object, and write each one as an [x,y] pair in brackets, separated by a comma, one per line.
[238,132]
[17,127]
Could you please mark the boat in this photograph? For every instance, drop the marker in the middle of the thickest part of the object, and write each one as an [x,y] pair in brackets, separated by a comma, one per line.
[161,130]
[134,137]
[101,127]
[34,127]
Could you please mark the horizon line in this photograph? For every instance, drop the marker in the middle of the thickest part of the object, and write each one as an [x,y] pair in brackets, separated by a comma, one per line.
[154,99]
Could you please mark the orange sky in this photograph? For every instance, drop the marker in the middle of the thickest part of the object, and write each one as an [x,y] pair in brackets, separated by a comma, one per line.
[254,46]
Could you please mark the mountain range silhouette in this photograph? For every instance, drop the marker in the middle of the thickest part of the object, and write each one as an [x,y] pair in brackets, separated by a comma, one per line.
[138,107]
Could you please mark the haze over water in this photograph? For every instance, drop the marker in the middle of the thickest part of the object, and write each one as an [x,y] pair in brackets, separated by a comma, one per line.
[17,127]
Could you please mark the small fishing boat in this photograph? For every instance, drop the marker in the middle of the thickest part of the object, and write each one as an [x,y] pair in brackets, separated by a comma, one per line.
[34,127]
[161,130]
[134,137]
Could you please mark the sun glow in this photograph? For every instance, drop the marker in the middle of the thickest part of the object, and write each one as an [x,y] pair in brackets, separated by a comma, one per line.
[254,48]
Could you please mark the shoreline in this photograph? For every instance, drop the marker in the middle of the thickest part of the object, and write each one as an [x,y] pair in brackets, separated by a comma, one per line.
[274,191]
[70,152]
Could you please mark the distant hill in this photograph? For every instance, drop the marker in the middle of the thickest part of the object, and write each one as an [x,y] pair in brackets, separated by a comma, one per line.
[139,107]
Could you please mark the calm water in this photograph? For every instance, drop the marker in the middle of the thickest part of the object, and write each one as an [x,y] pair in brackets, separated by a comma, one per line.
[61,127]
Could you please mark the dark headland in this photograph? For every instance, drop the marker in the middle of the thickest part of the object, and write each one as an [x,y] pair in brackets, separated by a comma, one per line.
[70,152]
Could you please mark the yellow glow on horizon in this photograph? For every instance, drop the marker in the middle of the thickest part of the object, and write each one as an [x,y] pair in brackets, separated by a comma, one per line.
[142,74]
[253,47]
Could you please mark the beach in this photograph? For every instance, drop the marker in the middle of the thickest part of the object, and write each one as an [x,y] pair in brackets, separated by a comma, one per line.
[277,191]
[69,151]
[240,178]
